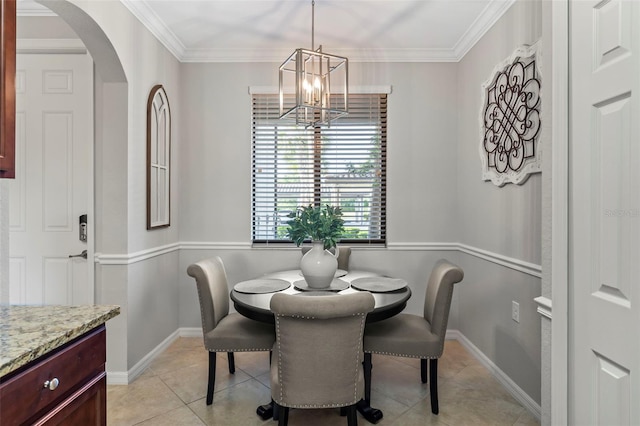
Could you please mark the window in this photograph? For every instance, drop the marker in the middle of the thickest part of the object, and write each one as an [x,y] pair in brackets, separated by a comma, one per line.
[342,164]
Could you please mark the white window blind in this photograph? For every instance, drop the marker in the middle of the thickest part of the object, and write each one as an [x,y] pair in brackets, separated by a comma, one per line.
[343,164]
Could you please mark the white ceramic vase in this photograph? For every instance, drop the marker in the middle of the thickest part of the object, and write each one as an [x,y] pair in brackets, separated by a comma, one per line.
[319,266]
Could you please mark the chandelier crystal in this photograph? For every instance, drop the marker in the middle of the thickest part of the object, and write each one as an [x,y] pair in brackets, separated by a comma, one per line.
[320,84]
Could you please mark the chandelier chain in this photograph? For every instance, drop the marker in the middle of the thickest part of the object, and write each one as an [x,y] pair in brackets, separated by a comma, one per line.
[313,20]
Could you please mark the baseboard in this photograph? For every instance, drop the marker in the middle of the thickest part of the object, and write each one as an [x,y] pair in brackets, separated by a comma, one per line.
[190,332]
[509,385]
[126,377]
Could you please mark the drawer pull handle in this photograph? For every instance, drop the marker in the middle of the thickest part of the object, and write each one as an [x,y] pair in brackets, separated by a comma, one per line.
[52,384]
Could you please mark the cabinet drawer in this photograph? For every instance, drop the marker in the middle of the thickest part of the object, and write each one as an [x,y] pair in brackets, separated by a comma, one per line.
[24,396]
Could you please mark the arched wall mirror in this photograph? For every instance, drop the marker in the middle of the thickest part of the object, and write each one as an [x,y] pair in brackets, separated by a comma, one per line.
[158,159]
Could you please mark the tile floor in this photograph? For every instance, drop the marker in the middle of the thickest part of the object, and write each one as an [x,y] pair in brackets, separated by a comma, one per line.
[172,392]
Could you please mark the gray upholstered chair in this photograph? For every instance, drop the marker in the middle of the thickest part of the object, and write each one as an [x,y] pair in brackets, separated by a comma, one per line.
[224,332]
[343,256]
[417,336]
[317,358]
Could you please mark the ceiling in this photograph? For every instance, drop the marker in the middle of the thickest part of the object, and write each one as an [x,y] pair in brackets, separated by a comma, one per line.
[269,30]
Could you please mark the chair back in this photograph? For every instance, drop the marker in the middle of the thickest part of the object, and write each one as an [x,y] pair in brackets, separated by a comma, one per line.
[437,301]
[318,350]
[343,256]
[213,292]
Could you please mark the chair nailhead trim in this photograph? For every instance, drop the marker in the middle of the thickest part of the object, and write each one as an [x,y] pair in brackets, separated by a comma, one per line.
[240,350]
[402,355]
[355,389]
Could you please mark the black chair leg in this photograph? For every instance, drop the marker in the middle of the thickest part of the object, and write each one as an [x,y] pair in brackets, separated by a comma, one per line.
[352,418]
[433,388]
[283,417]
[367,377]
[232,363]
[276,410]
[423,370]
[212,377]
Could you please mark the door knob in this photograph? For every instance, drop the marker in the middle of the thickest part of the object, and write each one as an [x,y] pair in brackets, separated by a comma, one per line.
[82,255]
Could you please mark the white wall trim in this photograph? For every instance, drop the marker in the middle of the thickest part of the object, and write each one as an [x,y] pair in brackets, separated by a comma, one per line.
[127,259]
[544,306]
[67,46]
[126,377]
[510,386]
[560,53]
[156,26]
[435,246]
[489,16]
[509,262]
[190,332]
[163,33]
[32,9]
[204,245]
[499,259]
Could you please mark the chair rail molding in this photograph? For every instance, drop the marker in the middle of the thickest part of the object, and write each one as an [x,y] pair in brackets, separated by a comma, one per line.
[544,306]
[499,259]
[139,256]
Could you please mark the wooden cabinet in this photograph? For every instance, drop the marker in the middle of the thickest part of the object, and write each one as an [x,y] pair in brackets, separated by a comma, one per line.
[7,88]
[65,387]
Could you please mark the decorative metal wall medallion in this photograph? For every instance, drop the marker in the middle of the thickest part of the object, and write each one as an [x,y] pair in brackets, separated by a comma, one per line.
[510,148]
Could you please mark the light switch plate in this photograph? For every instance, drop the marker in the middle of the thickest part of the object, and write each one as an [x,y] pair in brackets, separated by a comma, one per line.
[515,311]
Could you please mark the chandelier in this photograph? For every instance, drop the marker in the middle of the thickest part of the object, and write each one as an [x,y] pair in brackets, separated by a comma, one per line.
[320,81]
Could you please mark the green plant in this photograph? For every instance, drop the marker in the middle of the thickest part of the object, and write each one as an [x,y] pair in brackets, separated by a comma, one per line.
[316,223]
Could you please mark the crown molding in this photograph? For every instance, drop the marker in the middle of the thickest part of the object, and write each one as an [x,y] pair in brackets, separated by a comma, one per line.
[156,26]
[488,17]
[355,55]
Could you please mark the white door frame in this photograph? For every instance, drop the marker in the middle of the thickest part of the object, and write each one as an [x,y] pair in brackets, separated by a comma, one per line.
[74,46]
[560,211]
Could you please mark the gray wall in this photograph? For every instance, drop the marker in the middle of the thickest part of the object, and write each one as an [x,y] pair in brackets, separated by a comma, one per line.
[215,179]
[504,221]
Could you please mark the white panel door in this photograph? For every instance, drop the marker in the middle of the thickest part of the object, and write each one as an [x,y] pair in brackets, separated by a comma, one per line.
[54,139]
[604,240]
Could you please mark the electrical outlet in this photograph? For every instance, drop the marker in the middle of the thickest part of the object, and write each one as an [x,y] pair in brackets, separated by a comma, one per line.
[515,311]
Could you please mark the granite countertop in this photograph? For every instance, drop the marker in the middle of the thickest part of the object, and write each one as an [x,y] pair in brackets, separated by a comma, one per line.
[28,332]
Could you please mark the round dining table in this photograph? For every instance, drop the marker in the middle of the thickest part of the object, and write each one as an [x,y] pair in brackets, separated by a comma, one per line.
[252,298]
